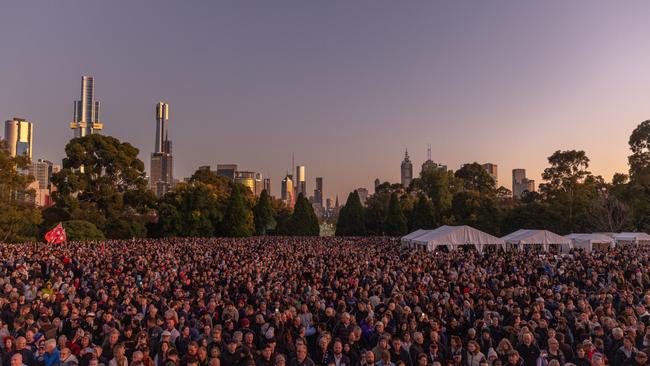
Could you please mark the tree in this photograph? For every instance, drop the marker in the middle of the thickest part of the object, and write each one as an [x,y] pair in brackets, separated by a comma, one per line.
[476,178]
[351,218]
[440,185]
[19,219]
[81,230]
[607,213]
[564,177]
[102,180]
[303,221]
[640,145]
[238,218]
[477,210]
[263,214]
[422,216]
[395,224]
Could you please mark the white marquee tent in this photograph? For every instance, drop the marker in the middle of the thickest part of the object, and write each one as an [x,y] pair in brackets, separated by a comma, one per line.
[455,236]
[634,238]
[590,241]
[544,238]
[407,239]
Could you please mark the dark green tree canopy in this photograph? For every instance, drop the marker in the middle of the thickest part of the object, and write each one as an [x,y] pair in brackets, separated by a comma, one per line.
[303,221]
[476,178]
[395,224]
[263,214]
[351,217]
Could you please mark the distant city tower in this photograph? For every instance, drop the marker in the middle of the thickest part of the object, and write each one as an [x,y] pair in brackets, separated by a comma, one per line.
[86,119]
[407,170]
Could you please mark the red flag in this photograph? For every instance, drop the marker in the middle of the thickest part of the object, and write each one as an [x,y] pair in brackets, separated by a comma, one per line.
[56,235]
[103,247]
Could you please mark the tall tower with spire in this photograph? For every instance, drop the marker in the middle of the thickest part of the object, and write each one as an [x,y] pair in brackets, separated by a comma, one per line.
[162,162]
[407,170]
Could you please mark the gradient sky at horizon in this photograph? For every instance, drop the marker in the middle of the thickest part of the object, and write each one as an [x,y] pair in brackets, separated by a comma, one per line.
[345,85]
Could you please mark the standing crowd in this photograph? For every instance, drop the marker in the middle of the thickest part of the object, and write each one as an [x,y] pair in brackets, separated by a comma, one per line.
[319,301]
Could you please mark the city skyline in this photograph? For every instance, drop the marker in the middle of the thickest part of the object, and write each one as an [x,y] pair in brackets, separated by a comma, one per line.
[349,132]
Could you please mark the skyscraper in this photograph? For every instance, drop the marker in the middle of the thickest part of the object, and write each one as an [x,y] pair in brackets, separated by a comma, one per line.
[86,119]
[492,169]
[250,180]
[19,134]
[429,164]
[227,170]
[520,183]
[300,183]
[162,116]
[287,194]
[407,170]
[162,161]
[318,192]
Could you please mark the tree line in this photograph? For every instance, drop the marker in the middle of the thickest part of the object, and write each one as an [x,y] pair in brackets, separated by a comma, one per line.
[101,192]
[570,199]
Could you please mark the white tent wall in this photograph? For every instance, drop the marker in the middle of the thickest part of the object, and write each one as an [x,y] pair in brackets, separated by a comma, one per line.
[455,236]
[543,238]
[588,241]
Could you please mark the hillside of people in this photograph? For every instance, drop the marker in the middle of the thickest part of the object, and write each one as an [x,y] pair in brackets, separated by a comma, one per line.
[319,301]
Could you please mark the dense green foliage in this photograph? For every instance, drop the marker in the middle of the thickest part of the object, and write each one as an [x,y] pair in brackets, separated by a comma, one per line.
[102,192]
[570,198]
[19,220]
[78,230]
[303,221]
[351,221]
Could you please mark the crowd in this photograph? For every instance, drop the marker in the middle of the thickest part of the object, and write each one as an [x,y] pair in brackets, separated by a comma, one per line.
[319,301]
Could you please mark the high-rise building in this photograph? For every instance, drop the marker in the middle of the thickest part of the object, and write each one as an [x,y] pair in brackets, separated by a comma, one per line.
[492,169]
[162,117]
[250,180]
[318,192]
[287,194]
[267,185]
[328,204]
[407,170]
[430,164]
[86,119]
[520,183]
[162,160]
[227,170]
[42,171]
[300,182]
[19,134]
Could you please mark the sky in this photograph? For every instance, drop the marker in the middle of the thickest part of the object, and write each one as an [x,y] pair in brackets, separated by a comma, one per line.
[344,85]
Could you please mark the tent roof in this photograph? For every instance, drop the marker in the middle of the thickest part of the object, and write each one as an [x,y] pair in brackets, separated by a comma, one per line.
[632,236]
[545,237]
[414,234]
[457,235]
[594,238]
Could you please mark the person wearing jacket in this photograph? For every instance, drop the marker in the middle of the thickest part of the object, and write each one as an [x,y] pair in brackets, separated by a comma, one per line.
[474,356]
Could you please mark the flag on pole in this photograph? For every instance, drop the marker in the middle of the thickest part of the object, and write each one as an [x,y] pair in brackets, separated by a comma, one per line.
[56,235]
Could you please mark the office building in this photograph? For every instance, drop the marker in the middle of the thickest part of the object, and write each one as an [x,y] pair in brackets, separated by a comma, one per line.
[430,164]
[492,169]
[520,183]
[250,180]
[328,204]
[407,170]
[19,134]
[300,183]
[287,194]
[318,192]
[227,170]
[161,179]
[42,171]
[86,120]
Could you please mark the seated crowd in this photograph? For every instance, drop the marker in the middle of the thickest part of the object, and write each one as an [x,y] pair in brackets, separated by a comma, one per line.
[319,301]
